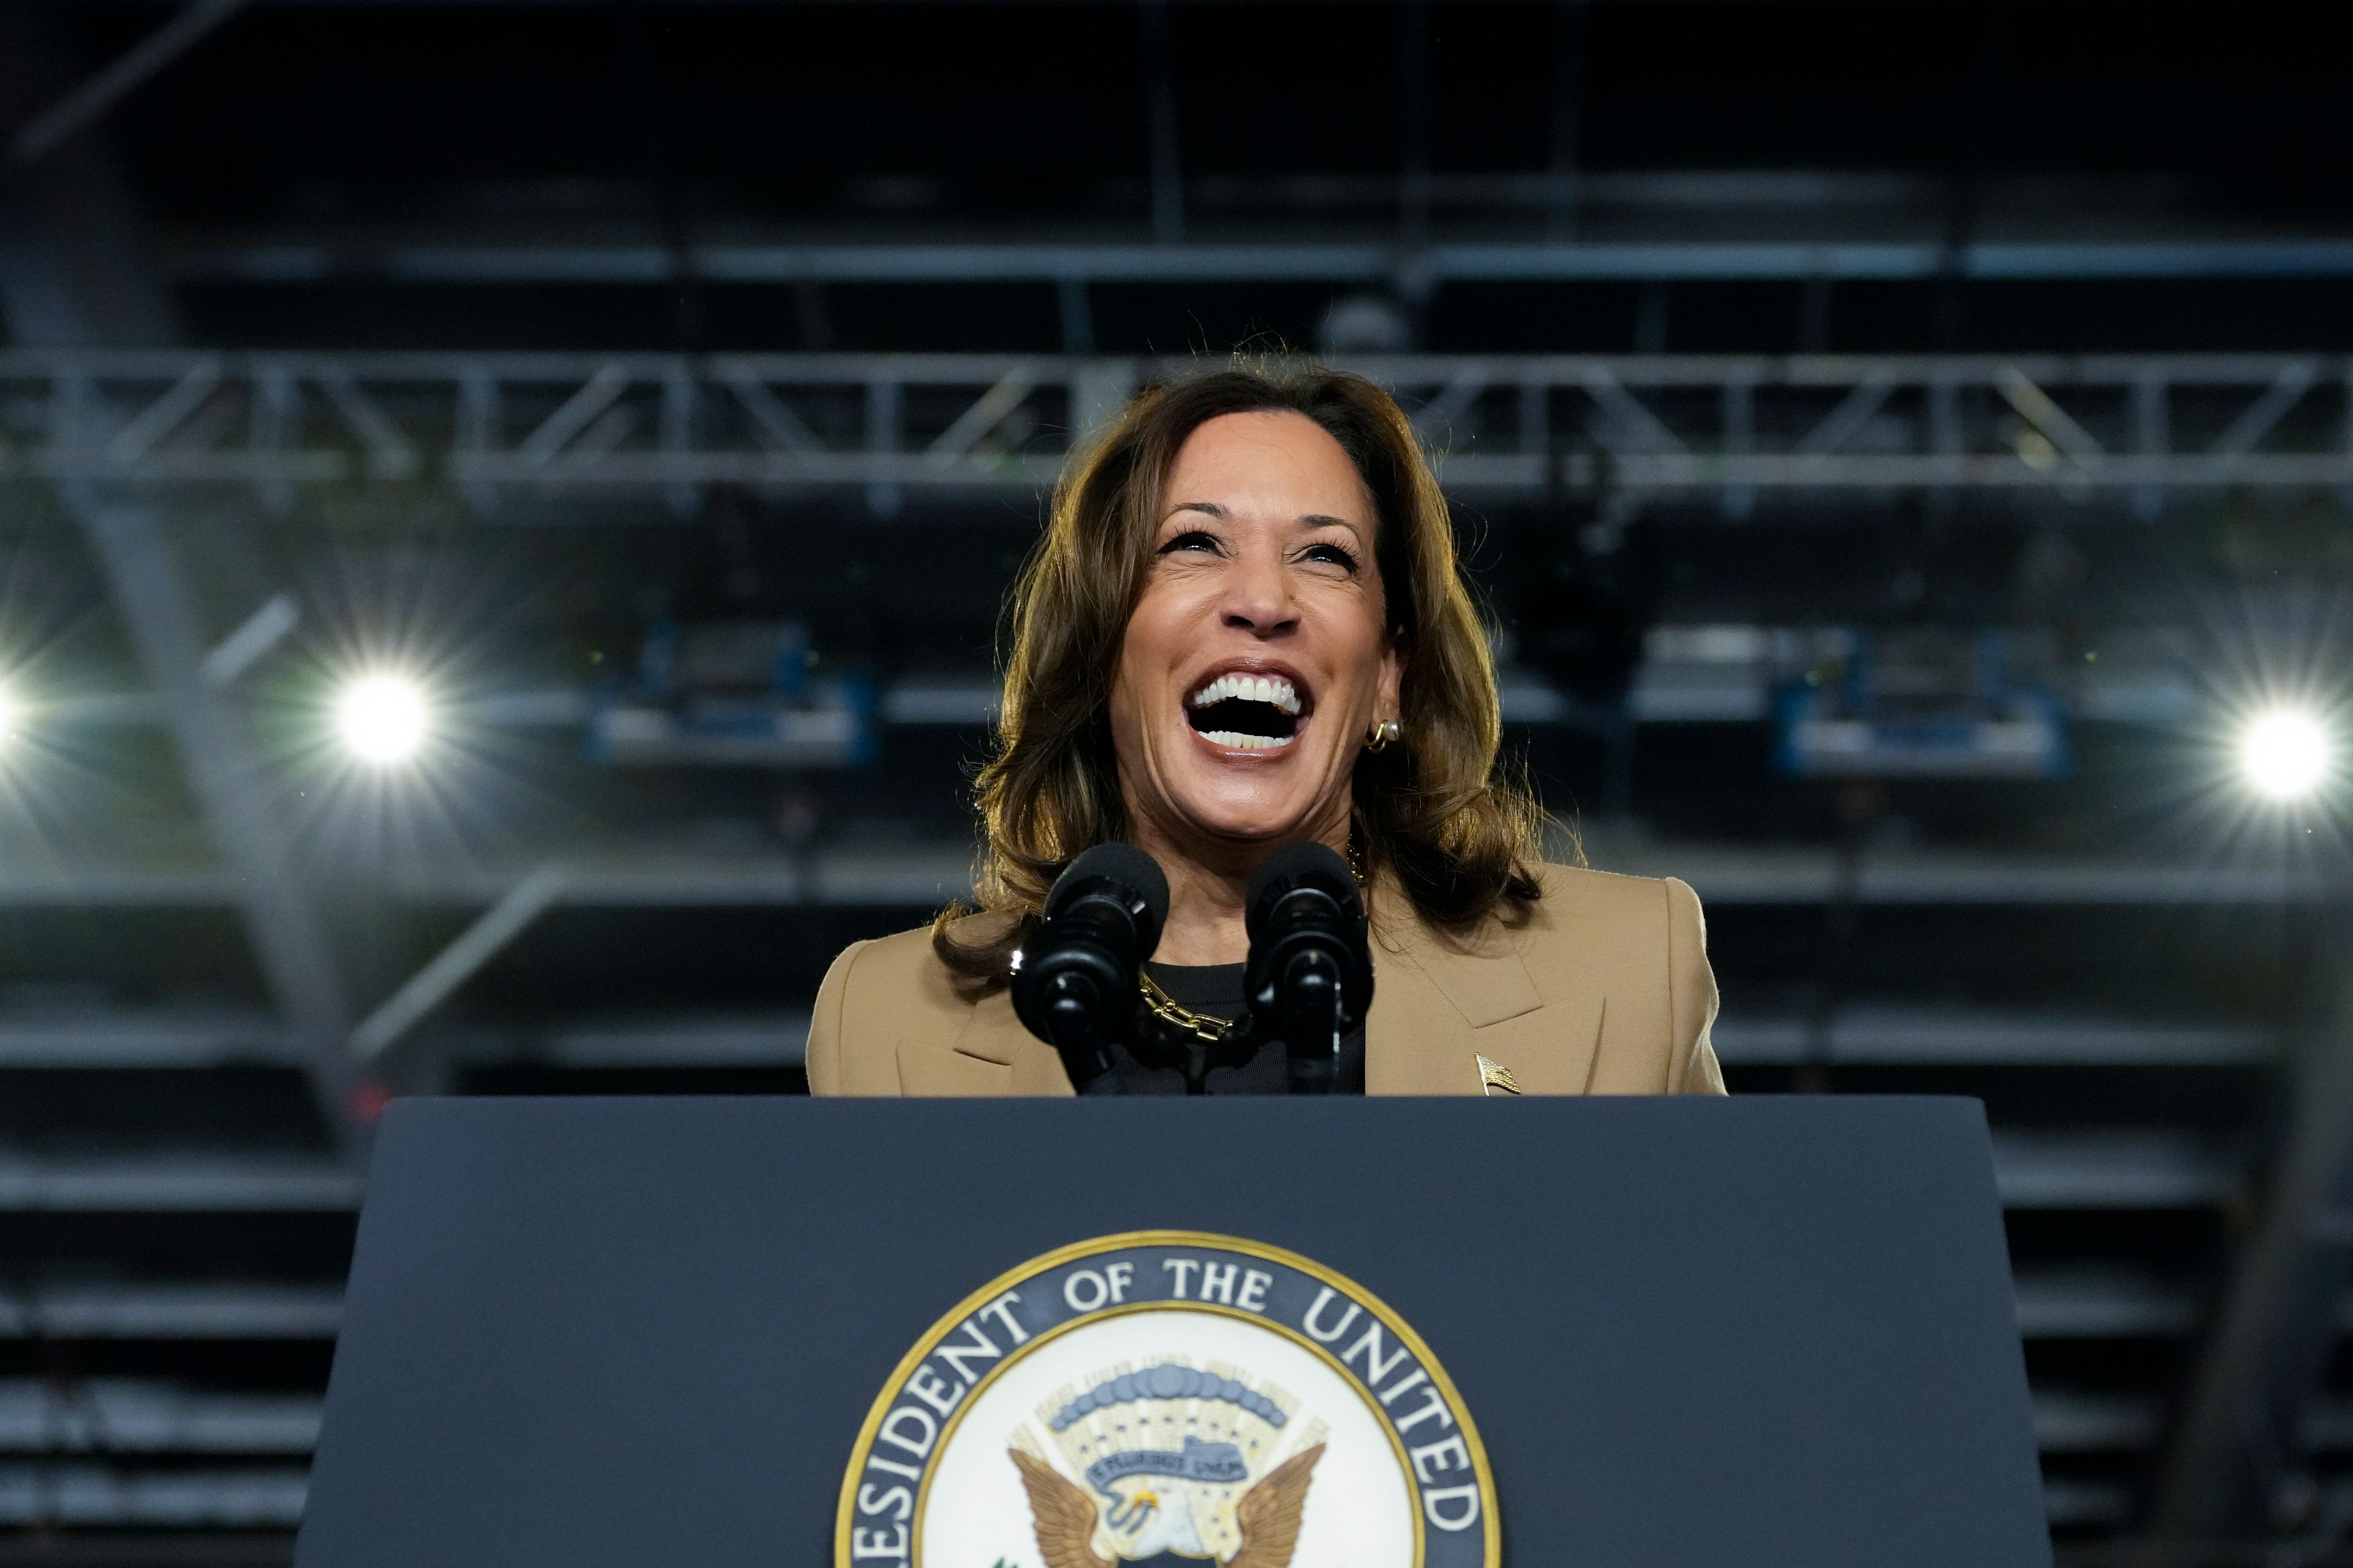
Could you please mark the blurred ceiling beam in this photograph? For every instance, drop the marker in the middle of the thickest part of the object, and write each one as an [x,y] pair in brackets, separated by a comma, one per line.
[151,1415]
[920,878]
[171,1310]
[90,1494]
[83,107]
[2238,1459]
[1162,132]
[1366,262]
[467,953]
[139,557]
[177,1182]
[77,256]
[725,5]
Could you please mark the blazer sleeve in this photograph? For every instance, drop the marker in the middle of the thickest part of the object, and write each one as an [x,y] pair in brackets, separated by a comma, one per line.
[1692,1000]
[824,1054]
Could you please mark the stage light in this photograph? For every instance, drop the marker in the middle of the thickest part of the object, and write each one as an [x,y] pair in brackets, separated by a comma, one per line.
[12,713]
[386,719]
[2286,754]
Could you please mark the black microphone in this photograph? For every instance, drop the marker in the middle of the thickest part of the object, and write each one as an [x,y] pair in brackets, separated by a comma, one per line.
[1309,977]
[1074,980]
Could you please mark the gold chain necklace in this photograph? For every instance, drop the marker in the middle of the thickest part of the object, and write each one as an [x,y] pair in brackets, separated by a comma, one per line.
[1168,1010]
[1202,1025]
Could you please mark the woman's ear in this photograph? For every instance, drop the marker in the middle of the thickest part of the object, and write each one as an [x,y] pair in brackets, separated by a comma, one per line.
[1388,690]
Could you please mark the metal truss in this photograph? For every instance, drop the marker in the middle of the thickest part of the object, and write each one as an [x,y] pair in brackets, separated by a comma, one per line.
[509,430]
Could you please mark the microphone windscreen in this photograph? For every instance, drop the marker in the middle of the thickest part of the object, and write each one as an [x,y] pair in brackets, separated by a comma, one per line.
[1126,866]
[1301,864]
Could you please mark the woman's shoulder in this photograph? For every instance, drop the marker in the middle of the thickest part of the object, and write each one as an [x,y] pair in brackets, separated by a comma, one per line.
[905,970]
[877,995]
[879,959]
[1586,910]
[1577,907]
[1583,887]
[1629,921]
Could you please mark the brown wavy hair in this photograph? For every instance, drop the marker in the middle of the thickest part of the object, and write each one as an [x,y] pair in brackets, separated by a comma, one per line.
[1435,811]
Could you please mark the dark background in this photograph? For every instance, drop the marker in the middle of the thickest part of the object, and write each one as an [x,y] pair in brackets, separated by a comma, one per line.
[211,919]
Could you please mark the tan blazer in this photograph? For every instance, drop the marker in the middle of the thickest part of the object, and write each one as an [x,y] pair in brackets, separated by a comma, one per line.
[1606,990]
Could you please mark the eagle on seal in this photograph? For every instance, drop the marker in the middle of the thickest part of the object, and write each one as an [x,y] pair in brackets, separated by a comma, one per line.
[1268,1516]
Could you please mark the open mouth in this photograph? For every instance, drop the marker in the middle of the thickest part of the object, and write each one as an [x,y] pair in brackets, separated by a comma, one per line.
[1247,712]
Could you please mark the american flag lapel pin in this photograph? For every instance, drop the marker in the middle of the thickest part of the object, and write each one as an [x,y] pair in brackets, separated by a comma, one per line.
[1493,1075]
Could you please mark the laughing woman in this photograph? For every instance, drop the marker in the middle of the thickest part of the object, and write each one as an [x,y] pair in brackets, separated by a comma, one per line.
[1245,625]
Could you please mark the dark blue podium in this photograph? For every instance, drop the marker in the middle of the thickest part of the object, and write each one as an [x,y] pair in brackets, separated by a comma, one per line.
[615,1334]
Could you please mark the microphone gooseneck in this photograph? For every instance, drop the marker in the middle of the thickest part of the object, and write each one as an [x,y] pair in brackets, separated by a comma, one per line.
[1075,982]
[1309,977]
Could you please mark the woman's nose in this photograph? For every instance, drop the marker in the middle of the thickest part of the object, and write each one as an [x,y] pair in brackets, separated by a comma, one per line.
[1258,597]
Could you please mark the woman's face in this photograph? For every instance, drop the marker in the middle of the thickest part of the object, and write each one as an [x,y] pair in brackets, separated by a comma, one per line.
[1257,657]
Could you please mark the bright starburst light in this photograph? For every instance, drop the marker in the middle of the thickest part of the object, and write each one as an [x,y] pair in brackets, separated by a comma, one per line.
[2286,754]
[386,719]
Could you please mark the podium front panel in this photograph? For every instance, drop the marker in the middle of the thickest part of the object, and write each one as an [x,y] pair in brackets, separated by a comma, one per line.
[616,1333]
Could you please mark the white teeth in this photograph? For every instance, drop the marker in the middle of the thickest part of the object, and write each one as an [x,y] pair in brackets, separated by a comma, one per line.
[1273,689]
[1242,743]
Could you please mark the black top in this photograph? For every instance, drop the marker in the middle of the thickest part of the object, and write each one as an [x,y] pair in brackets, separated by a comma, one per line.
[1168,1060]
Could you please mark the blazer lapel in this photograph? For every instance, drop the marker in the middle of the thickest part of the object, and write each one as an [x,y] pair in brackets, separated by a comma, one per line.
[1438,1006]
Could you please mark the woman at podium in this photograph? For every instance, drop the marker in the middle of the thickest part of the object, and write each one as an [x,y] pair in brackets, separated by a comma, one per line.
[1246,626]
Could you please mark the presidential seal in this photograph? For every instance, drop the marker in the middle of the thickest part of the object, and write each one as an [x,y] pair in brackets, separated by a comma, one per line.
[1167,1398]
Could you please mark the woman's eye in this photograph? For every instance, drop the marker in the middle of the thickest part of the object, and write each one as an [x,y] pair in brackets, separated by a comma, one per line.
[1196,540]
[1332,555]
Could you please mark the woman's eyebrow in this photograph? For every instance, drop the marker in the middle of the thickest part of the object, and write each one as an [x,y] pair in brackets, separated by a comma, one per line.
[1318,519]
[1212,508]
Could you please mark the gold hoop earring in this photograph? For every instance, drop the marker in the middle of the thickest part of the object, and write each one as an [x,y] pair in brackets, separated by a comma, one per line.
[1385,734]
